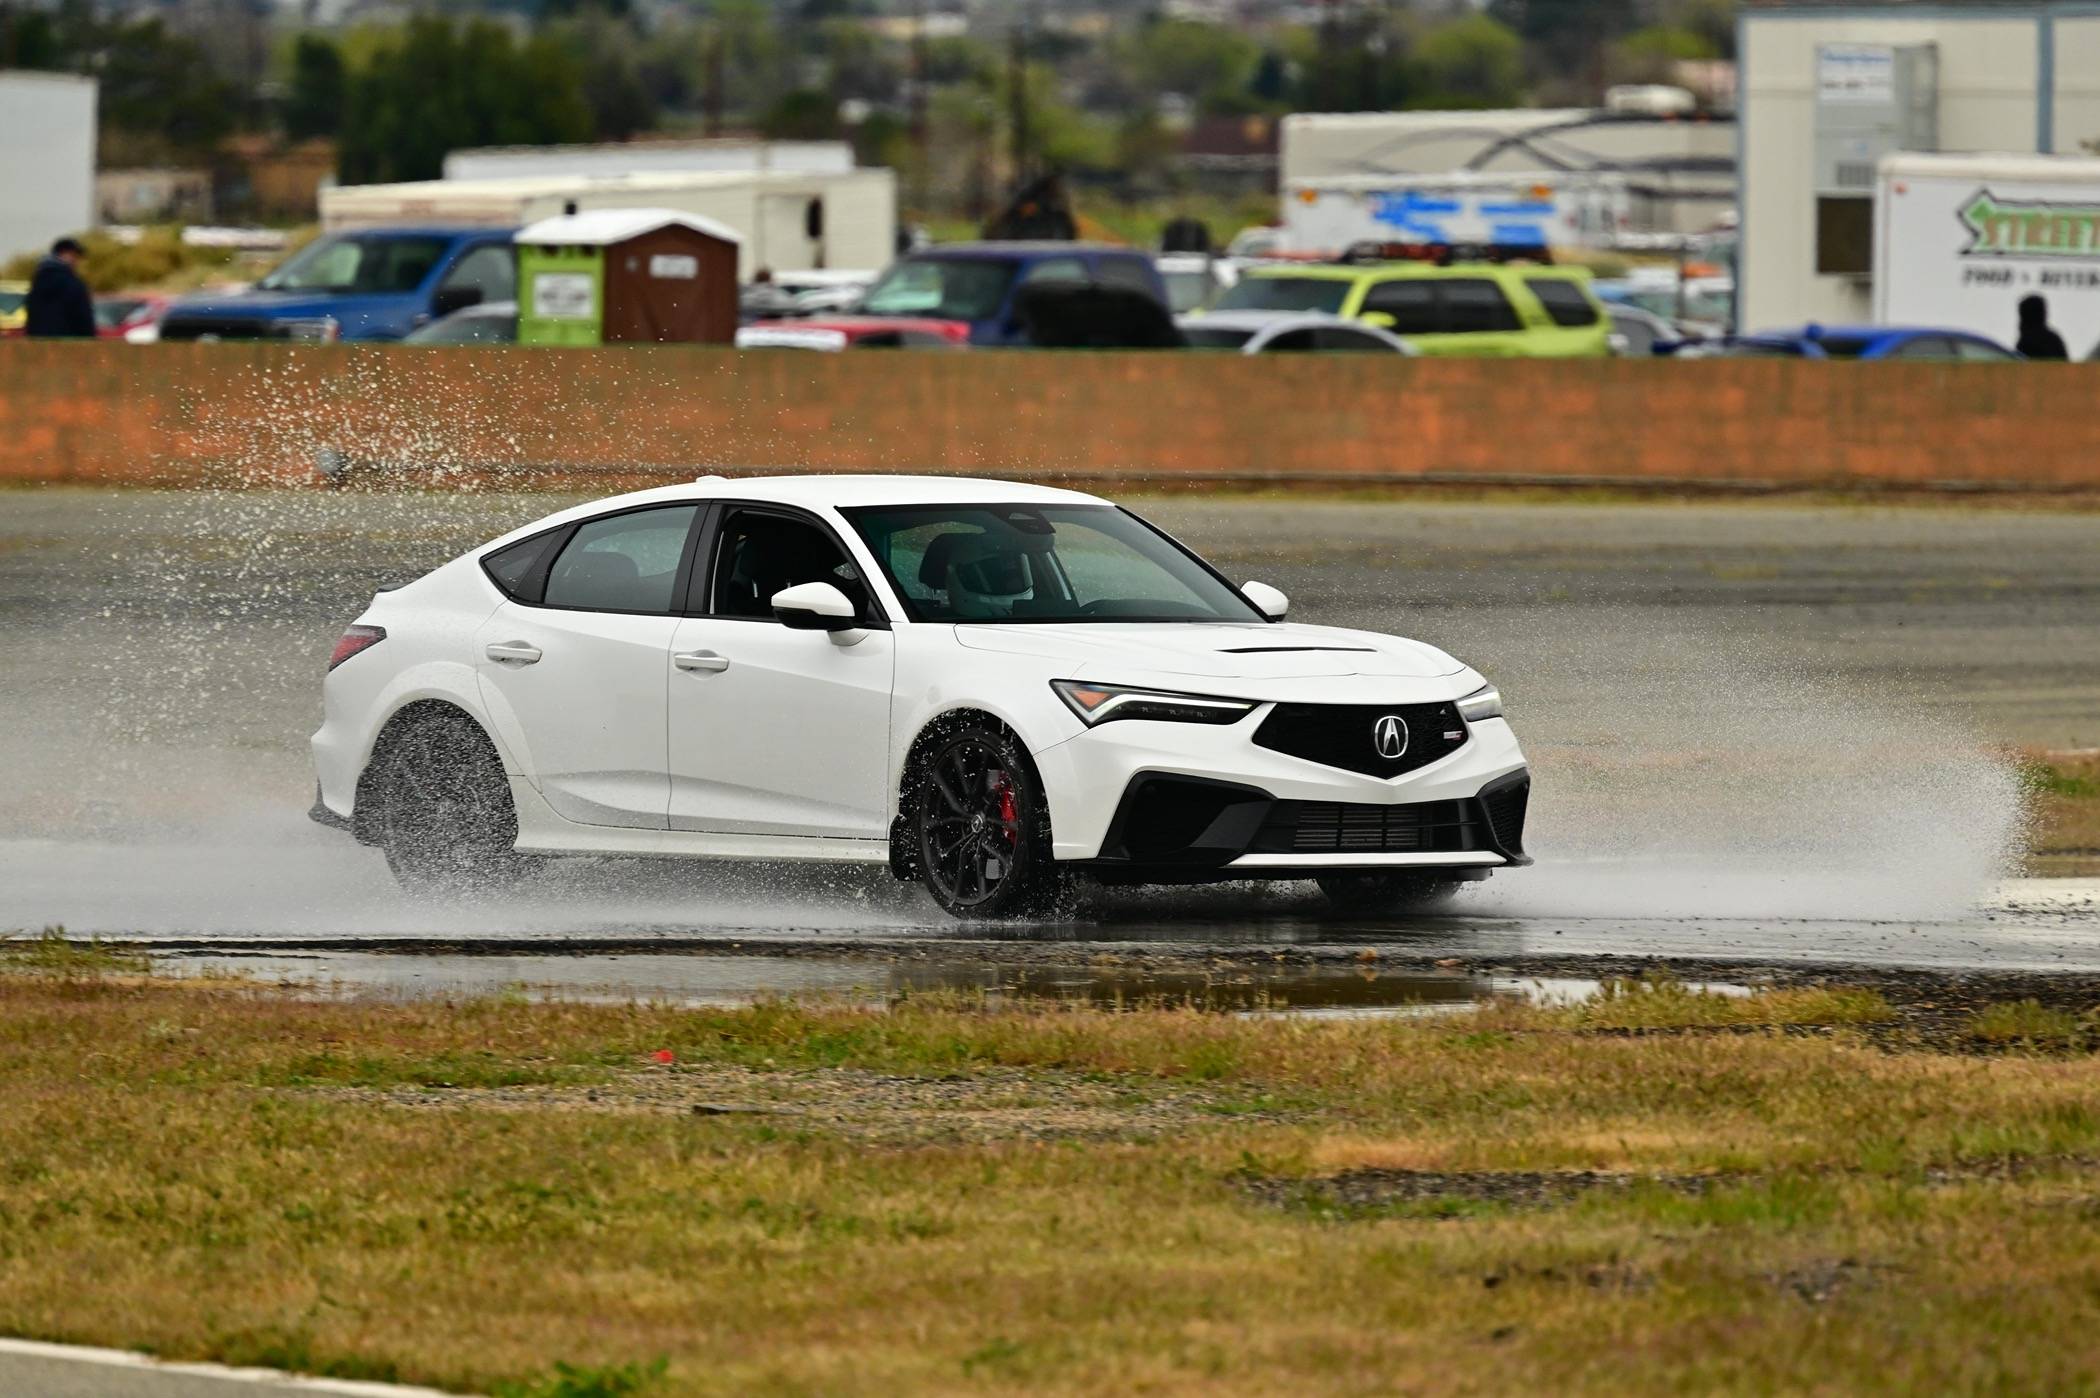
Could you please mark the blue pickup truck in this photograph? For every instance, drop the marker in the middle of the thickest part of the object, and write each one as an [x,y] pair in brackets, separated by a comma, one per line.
[365,284]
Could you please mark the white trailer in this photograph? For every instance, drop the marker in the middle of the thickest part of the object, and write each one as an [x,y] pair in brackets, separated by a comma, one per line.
[650,158]
[1553,209]
[1960,240]
[47,159]
[789,221]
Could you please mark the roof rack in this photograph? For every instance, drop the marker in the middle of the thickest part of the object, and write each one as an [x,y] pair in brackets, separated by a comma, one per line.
[1444,254]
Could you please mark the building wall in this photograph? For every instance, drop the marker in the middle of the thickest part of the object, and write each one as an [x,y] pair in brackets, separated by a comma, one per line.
[1989,100]
[47,159]
[2076,108]
[596,418]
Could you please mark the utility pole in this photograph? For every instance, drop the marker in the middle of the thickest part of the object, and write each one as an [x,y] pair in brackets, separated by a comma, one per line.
[920,172]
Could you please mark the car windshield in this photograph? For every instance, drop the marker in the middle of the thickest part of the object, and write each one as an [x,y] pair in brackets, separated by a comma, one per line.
[956,288]
[1286,294]
[350,262]
[11,301]
[1041,563]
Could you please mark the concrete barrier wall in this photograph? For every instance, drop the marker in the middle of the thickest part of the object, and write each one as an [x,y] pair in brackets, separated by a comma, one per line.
[254,413]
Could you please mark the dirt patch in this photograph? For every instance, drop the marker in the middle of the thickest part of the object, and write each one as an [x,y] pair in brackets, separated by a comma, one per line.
[880,1109]
[1365,1190]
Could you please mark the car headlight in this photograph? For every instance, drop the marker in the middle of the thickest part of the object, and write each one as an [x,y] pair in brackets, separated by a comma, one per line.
[1099,703]
[1484,702]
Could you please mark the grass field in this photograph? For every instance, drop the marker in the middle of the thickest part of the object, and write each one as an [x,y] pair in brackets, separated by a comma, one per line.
[2066,793]
[1660,1190]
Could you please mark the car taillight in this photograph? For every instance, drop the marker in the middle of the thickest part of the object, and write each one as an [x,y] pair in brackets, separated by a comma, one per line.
[357,638]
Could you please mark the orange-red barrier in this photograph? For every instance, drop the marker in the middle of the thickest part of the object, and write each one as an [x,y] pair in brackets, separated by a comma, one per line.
[109,412]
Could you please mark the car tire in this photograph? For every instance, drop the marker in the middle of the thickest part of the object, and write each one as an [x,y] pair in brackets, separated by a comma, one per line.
[978,827]
[1390,891]
[447,825]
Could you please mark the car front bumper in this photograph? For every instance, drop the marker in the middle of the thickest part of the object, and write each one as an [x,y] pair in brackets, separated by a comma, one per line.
[1130,794]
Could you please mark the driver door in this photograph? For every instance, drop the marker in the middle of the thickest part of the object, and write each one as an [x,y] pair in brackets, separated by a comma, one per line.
[773,731]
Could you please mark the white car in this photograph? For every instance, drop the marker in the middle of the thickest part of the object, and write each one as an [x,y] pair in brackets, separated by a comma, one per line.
[1283,332]
[988,687]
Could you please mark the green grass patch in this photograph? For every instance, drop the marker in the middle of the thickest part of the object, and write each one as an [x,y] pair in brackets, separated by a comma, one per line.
[2031,1024]
[52,952]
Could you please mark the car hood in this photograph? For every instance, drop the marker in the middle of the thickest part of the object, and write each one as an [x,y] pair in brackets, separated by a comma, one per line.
[1112,651]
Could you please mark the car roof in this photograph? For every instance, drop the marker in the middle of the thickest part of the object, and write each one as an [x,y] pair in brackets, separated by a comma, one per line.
[1262,320]
[421,230]
[1335,271]
[1019,249]
[816,492]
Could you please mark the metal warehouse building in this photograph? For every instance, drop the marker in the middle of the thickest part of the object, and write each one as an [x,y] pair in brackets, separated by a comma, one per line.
[1828,89]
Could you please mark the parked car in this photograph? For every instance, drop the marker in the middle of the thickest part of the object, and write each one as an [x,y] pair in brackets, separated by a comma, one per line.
[1857,342]
[14,307]
[1271,332]
[856,332]
[832,333]
[1704,309]
[1194,280]
[131,315]
[491,323]
[980,283]
[367,284]
[819,291]
[1636,333]
[1462,309]
[985,687]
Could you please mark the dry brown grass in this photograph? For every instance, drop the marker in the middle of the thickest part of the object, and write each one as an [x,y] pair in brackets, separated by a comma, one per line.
[2065,789]
[231,1172]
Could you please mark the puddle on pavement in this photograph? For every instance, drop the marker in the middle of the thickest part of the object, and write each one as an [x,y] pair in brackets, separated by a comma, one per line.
[741,980]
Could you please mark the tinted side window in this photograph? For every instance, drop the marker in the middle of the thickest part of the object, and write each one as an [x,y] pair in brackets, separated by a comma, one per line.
[623,563]
[1127,273]
[492,271]
[1924,347]
[759,554]
[1055,269]
[516,569]
[1563,300]
[1475,306]
[1290,340]
[1411,304]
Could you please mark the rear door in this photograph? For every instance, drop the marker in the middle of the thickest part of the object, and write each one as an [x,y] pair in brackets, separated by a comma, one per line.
[773,731]
[574,667]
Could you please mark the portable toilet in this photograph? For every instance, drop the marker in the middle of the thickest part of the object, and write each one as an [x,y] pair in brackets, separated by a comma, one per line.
[627,276]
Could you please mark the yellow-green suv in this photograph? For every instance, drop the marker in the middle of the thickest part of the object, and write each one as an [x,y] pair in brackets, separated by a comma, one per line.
[1486,309]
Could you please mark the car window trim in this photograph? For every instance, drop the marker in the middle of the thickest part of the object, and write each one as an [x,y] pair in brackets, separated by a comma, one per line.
[567,532]
[699,594]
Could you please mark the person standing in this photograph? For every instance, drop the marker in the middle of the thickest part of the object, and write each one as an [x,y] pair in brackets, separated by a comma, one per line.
[2037,340]
[58,304]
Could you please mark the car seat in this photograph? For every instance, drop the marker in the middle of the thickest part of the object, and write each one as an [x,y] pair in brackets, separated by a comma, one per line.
[981,576]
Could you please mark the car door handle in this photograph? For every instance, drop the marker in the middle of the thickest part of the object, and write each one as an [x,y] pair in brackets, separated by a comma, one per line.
[701,660]
[513,653]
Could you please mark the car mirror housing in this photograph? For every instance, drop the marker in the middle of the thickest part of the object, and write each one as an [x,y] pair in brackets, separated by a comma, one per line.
[818,606]
[1269,601]
[1381,319]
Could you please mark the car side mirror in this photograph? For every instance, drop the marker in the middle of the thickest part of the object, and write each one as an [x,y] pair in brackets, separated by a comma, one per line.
[818,606]
[1378,318]
[1267,600]
[453,298]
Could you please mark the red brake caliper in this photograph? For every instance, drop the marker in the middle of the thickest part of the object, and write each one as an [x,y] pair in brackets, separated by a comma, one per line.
[1009,812]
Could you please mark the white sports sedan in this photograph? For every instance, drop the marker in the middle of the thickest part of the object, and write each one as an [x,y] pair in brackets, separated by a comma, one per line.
[988,687]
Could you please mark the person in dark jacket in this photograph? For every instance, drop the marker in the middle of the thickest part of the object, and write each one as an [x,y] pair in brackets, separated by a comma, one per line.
[58,303]
[2037,340]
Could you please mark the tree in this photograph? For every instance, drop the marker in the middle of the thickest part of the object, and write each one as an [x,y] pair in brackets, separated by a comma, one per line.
[158,84]
[806,114]
[442,87]
[1470,62]
[610,57]
[29,39]
[313,106]
[1651,55]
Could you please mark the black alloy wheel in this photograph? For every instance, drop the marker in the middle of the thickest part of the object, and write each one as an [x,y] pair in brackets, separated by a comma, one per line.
[980,831]
[448,826]
[1390,891]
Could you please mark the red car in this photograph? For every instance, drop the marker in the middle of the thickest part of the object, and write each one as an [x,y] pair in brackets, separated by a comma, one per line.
[834,333]
[121,316]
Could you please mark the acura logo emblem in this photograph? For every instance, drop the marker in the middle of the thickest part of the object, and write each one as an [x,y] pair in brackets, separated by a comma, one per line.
[1389,736]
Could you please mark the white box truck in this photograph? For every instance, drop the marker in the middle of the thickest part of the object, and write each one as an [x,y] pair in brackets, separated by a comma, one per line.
[1960,240]
[1552,209]
[47,159]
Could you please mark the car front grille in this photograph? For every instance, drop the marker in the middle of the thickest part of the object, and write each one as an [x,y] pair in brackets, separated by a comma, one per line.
[1346,735]
[1345,827]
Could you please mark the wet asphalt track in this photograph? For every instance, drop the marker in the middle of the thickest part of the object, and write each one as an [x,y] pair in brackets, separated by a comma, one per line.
[1761,731]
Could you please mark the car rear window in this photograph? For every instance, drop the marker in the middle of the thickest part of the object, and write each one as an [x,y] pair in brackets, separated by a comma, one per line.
[1286,294]
[1563,300]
